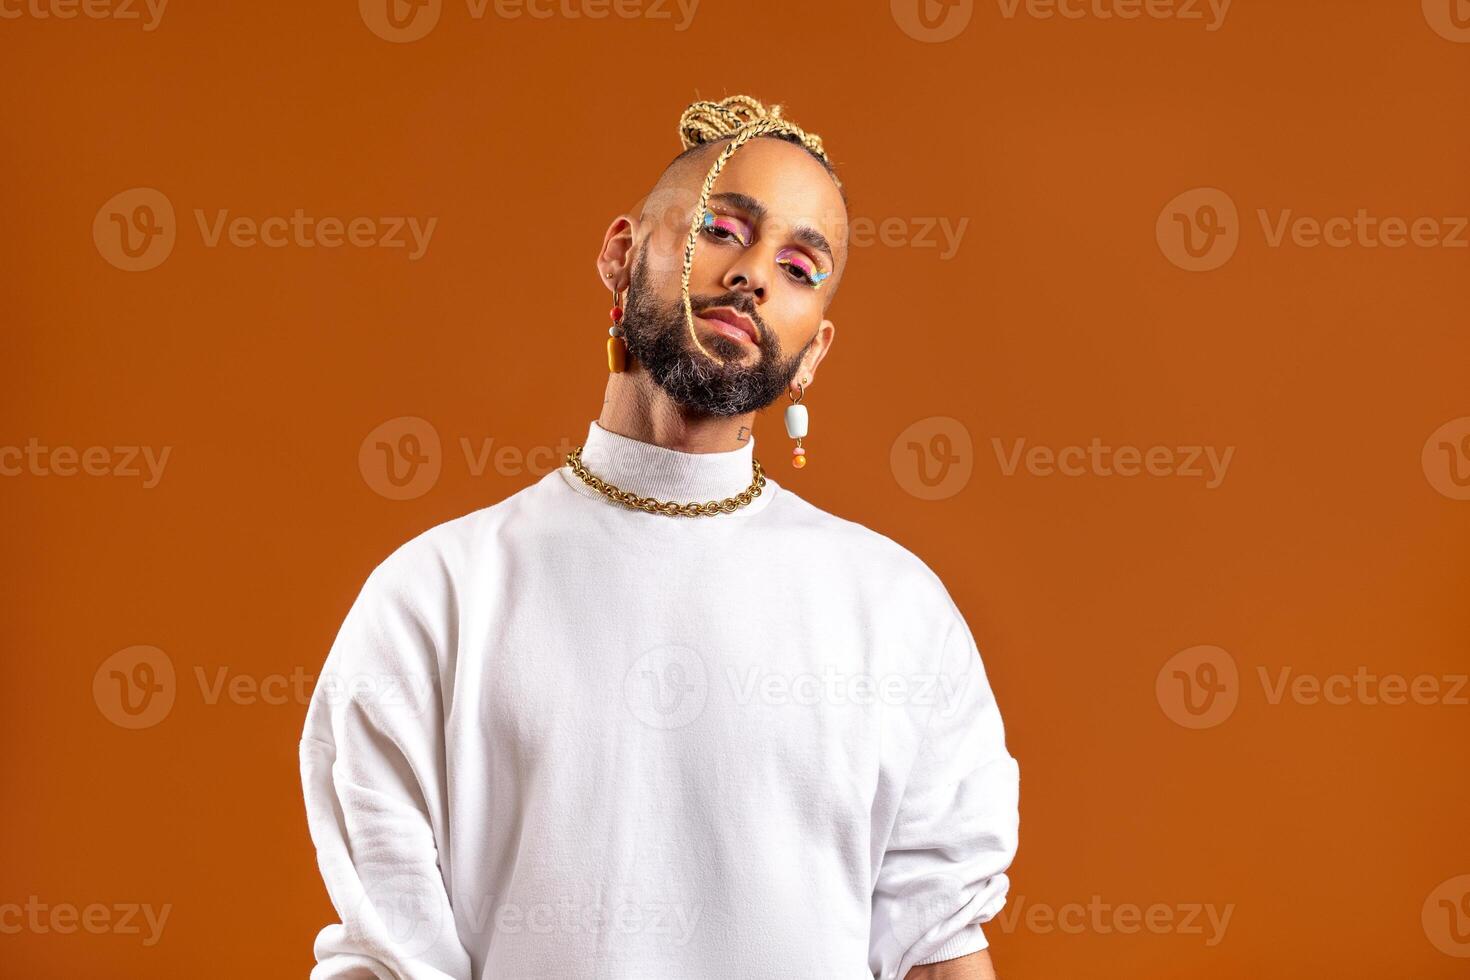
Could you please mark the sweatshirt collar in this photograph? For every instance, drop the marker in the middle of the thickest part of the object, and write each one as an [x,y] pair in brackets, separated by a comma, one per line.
[650,470]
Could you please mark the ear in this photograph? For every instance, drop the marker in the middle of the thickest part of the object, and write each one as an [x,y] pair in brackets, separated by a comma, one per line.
[615,260]
[826,333]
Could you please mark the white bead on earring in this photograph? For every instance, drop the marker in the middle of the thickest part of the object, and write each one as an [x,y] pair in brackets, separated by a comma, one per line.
[796,423]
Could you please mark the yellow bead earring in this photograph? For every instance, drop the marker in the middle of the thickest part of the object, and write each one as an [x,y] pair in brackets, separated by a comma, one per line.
[617,346]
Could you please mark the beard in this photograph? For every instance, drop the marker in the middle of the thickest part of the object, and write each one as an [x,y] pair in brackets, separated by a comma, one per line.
[658,337]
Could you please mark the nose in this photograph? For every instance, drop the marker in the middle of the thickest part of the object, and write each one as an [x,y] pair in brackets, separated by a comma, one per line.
[744,276]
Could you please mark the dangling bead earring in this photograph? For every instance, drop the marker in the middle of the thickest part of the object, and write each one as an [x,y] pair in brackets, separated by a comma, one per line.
[796,423]
[617,347]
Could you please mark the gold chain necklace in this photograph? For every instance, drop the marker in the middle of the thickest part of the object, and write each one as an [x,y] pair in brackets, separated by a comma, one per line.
[628,498]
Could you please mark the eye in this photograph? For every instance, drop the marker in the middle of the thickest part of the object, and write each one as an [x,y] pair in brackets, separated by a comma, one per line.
[723,228]
[800,268]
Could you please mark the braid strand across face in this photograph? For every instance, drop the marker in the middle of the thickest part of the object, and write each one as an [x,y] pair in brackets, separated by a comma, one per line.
[738,118]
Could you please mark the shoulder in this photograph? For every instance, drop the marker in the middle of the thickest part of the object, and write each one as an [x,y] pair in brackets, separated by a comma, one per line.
[872,556]
[436,558]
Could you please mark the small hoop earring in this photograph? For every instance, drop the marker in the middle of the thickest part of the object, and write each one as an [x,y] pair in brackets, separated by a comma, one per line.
[797,419]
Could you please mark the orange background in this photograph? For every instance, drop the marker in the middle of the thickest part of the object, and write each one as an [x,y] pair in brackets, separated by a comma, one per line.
[1326,547]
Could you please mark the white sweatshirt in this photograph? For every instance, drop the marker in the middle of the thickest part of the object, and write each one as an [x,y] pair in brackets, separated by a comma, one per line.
[559,738]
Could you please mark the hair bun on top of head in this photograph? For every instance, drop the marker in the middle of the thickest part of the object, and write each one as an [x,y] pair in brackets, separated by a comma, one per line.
[706,122]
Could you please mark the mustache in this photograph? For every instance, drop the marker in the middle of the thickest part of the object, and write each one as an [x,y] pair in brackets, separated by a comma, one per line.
[739,302]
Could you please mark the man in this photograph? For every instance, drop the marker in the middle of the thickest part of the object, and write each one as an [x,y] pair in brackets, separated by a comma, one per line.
[656,715]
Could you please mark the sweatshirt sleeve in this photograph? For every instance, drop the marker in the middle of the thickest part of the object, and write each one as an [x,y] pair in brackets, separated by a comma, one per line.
[372,773]
[943,870]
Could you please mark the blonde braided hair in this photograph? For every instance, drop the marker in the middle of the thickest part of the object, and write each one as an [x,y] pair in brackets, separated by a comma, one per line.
[706,122]
[738,118]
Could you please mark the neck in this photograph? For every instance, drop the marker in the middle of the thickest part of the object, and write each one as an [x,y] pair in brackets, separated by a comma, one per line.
[635,407]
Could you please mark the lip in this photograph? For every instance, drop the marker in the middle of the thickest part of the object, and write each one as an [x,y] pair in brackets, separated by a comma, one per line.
[735,319]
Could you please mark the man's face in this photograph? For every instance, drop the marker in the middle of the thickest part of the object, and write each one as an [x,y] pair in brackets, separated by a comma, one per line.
[777,226]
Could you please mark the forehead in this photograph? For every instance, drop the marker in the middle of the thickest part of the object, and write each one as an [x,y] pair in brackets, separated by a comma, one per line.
[793,186]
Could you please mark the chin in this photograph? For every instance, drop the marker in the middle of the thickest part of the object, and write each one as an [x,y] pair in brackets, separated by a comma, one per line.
[726,348]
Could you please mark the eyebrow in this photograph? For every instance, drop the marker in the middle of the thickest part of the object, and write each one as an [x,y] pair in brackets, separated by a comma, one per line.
[805,234]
